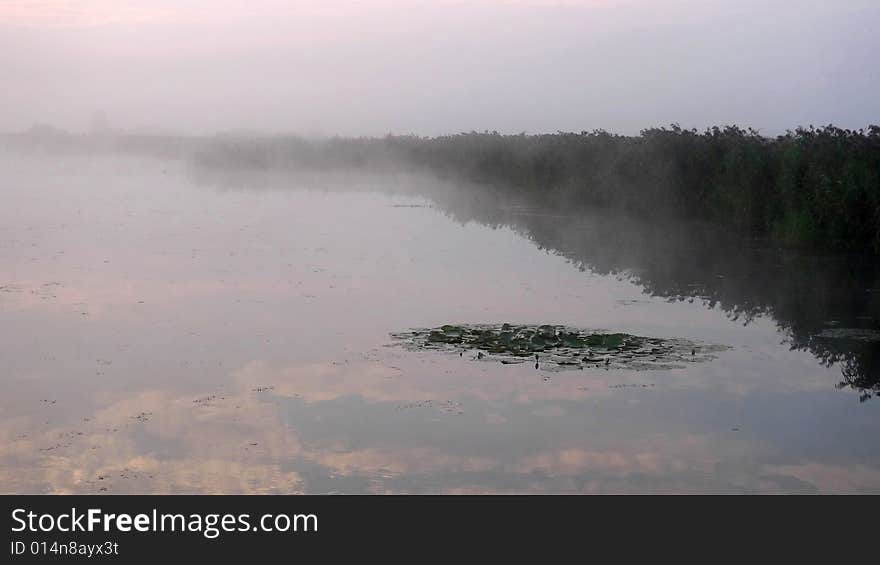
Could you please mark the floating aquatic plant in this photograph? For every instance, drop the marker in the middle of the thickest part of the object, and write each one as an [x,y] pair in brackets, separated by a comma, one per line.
[557,347]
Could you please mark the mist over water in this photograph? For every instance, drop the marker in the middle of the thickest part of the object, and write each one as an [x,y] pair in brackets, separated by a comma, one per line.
[219,273]
[174,329]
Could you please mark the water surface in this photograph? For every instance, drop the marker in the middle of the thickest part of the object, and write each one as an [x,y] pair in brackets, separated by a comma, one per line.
[169,330]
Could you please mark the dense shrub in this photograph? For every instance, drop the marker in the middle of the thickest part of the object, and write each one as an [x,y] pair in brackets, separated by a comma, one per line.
[816,187]
[812,186]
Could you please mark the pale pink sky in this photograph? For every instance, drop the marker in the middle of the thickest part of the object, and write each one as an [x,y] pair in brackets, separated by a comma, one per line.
[438,66]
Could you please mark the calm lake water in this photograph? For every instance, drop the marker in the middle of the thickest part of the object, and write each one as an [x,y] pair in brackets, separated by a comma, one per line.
[169,330]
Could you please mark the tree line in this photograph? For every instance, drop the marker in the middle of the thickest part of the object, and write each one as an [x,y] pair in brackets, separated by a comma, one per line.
[811,187]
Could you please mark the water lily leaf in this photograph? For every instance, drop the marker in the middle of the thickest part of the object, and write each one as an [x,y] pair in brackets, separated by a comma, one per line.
[559,347]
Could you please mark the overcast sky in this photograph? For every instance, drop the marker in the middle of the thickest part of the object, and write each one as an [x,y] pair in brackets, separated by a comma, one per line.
[438,66]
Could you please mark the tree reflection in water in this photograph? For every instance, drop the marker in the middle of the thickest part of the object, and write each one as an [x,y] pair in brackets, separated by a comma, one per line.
[805,293]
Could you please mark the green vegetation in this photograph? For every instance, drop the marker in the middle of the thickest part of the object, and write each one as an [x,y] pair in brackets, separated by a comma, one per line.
[558,347]
[812,187]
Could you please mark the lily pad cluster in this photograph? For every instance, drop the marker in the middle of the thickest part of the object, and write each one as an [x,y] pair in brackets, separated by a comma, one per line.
[555,347]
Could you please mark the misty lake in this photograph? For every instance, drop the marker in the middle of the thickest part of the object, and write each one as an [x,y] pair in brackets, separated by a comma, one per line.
[165,329]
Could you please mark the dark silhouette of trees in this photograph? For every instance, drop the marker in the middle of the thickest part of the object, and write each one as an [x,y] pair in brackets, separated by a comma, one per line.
[813,187]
